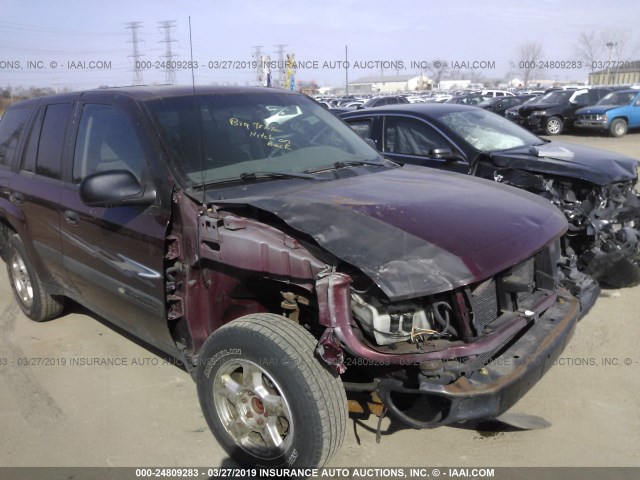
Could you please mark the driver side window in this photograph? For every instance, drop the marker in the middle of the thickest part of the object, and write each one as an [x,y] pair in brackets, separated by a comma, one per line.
[106,141]
[409,136]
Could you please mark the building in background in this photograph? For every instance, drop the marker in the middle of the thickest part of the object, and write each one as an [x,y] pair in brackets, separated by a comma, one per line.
[626,75]
[389,84]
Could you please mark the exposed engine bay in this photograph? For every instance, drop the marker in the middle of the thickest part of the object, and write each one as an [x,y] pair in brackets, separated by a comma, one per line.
[604,222]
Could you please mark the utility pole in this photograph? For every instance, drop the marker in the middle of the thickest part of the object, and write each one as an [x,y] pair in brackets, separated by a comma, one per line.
[137,71]
[610,46]
[346,70]
[169,70]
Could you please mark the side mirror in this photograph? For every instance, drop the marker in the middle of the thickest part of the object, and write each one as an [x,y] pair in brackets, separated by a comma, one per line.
[115,188]
[445,153]
[371,143]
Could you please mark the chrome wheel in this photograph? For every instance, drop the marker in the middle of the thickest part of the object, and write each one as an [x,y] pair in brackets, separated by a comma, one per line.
[554,126]
[252,409]
[21,280]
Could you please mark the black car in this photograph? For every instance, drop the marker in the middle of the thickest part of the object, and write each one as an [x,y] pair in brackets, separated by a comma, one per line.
[500,105]
[594,188]
[557,109]
[513,113]
[382,101]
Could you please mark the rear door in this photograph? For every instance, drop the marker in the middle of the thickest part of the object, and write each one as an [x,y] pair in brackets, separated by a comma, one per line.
[12,125]
[115,256]
[36,191]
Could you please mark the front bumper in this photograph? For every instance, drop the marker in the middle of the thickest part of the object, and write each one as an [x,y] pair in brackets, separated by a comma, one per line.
[591,124]
[515,118]
[493,389]
[533,122]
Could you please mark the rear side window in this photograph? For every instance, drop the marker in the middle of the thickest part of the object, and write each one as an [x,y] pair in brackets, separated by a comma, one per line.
[51,142]
[11,127]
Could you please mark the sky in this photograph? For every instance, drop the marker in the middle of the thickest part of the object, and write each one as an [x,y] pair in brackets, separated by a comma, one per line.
[85,44]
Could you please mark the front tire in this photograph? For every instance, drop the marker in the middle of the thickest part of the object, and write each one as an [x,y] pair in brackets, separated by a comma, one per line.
[553,126]
[618,128]
[266,398]
[27,288]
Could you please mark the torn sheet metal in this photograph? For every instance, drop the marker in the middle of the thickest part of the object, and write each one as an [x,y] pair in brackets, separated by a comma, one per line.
[426,236]
[593,165]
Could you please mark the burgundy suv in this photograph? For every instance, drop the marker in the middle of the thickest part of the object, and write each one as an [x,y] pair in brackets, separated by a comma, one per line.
[283,264]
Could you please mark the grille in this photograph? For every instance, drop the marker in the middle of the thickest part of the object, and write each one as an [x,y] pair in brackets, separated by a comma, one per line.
[484,304]
[524,272]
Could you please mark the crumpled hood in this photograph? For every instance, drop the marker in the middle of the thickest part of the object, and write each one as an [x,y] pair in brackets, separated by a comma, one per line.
[591,164]
[528,109]
[415,231]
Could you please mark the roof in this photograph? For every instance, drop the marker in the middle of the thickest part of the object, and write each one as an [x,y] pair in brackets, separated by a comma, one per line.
[160,91]
[416,108]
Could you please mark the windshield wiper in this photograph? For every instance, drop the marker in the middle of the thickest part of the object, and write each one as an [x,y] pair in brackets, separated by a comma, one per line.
[251,176]
[258,175]
[344,164]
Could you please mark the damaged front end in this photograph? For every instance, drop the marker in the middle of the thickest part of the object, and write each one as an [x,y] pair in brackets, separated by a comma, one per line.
[602,240]
[465,354]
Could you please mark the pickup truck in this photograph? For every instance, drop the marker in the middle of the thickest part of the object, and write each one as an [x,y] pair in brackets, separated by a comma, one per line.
[615,113]
[284,265]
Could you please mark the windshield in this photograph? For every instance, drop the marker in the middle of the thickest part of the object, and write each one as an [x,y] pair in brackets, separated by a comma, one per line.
[219,137]
[618,98]
[533,100]
[559,96]
[487,131]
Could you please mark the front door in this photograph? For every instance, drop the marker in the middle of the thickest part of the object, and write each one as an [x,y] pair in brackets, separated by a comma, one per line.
[115,256]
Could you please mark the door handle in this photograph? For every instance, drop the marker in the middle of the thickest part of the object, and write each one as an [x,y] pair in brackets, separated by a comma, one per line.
[71,217]
[17,197]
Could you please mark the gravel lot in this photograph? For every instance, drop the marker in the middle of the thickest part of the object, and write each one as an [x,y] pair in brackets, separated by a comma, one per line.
[147,413]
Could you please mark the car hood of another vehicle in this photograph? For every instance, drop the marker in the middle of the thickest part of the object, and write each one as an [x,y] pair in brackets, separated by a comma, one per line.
[527,109]
[597,109]
[415,231]
[570,160]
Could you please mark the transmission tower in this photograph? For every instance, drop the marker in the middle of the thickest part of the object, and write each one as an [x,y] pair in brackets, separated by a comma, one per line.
[281,65]
[170,70]
[257,54]
[137,71]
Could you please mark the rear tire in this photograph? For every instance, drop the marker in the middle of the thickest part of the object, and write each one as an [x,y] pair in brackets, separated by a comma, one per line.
[266,398]
[27,288]
[618,128]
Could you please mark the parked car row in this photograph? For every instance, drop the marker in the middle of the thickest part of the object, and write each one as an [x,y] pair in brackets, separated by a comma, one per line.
[285,263]
[612,109]
[606,109]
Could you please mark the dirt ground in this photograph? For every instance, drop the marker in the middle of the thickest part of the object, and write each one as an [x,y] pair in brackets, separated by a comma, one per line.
[147,412]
